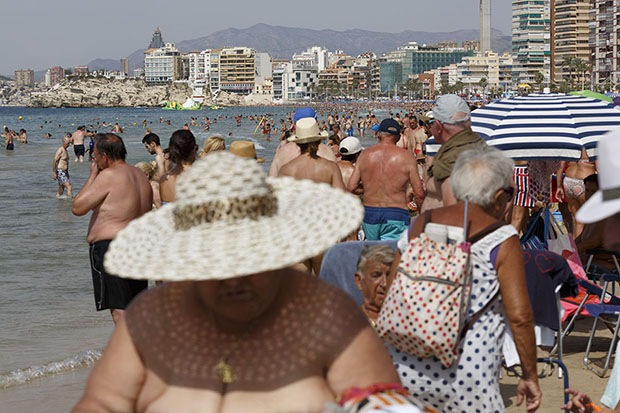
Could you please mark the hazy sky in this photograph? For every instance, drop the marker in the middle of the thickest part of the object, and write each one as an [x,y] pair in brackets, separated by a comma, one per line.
[38,34]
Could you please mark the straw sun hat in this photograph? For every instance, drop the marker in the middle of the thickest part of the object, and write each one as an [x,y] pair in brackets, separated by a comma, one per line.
[306,131]
[230,220]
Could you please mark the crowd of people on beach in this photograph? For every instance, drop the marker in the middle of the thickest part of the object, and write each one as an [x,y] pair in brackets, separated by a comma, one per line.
[280,290]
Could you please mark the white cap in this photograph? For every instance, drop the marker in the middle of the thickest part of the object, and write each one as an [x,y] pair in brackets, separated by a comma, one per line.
[350,146]
[447,106]
[605,202]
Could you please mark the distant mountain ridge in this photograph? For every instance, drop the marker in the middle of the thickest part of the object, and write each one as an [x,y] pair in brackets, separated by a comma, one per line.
[282,42]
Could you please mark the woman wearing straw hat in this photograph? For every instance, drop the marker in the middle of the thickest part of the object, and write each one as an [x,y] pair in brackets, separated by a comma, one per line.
[236,329]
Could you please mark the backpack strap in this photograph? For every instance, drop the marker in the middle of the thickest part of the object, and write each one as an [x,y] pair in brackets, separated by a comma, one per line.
[476,316]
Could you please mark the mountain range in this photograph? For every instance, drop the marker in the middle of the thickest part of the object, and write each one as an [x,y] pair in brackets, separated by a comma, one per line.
[282,42]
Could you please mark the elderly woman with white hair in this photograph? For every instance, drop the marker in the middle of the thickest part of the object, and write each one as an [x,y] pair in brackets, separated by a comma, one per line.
[484,178]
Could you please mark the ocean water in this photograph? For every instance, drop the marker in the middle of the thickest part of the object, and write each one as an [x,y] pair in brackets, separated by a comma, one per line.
[50,332]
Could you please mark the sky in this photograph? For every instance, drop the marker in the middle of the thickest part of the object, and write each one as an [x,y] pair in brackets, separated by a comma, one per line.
[38,34]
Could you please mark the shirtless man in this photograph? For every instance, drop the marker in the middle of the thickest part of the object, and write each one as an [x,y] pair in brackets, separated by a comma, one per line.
[384,170]
[78,143]
[116,193]
[60,168]
[153,146]
[286,152]
[309,165]
[350,149]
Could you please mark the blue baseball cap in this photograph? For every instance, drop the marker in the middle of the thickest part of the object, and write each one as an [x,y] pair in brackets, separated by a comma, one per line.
[390,126]
[304,113]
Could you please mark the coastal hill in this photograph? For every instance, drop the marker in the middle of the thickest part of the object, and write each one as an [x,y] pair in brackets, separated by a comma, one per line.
[282,42]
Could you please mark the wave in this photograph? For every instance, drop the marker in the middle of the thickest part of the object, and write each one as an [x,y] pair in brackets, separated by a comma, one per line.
[22,376]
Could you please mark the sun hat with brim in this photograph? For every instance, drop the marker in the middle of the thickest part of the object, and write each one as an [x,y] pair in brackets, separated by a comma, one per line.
[306,131]
[230,220]
[245,149]
[606,201]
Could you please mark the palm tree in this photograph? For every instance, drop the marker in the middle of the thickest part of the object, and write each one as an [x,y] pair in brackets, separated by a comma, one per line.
[538,79]
[459,86]
[569,63]
[581,67]
[483,83]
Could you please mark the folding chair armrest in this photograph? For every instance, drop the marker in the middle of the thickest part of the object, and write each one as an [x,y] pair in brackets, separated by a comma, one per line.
[597,251]
[610,277]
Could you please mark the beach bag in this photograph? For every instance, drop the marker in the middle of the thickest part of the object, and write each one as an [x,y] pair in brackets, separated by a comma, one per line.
[561,242]
[425,308]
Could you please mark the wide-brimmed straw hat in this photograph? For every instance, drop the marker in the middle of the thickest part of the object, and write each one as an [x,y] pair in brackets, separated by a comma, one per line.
[307,130]
[606,201]
[230,220]
[245,149]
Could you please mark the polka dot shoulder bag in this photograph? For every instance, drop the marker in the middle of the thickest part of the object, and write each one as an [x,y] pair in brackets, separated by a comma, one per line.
[424,311]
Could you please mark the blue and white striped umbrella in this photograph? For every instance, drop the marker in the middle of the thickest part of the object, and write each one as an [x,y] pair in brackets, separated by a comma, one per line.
[543,126]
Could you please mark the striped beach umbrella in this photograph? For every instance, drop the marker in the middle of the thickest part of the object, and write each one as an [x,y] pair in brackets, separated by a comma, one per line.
[543,126]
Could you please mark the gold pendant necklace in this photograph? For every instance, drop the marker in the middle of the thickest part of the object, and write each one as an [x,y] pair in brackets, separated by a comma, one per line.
[225,372]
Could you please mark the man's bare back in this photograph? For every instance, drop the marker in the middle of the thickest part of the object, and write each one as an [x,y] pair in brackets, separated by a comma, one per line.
[385,171]
[346,169]
[116,195]
[290,150]
[315,169]
[78,137]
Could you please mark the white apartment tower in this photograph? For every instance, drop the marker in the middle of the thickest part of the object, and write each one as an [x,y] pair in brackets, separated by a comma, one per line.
[531,40]
[485,26]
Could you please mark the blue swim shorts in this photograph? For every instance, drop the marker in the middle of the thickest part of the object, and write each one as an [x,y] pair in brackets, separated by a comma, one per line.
[384,223]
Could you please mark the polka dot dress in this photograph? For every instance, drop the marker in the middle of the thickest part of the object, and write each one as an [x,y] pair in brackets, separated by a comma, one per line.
[472,383]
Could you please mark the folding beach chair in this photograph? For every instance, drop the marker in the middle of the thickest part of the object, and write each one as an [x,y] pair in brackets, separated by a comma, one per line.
[607,311]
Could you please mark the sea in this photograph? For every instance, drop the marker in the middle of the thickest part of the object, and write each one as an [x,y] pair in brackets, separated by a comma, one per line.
[50,332]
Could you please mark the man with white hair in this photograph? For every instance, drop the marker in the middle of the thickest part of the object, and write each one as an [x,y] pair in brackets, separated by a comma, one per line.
[61,168]
[451,127]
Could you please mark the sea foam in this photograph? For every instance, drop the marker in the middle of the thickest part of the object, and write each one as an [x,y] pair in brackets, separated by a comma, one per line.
[22,376]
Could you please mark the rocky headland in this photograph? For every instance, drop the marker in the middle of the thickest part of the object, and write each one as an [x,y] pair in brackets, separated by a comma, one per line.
[105,93]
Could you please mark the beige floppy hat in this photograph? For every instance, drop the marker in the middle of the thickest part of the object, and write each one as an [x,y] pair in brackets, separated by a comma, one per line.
[230,220]
[307,130]
[245,149]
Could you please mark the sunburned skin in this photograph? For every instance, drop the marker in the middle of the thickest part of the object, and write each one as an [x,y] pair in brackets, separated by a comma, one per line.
[291,342]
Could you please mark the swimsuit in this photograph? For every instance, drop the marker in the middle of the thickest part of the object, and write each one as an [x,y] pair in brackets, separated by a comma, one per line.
[79,150]
[574,187]
[10,146]
[110,291]
[62,175]
[384,223]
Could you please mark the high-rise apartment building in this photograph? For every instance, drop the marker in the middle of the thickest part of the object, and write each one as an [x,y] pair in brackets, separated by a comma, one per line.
[571,36]
[237,70]
[24,77]
[163,65]
[531,40]
[157,42]
[604,42]
[485,25]
[57,73]
[125,66]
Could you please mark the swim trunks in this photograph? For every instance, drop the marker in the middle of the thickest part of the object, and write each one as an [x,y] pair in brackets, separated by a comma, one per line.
[62,175]
[79,150]
[384,223]
[110,291]
[10,146]
[521,177]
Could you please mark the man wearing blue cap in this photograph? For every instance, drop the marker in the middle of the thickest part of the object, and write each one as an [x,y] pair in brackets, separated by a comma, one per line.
[384,172]
[288,151]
